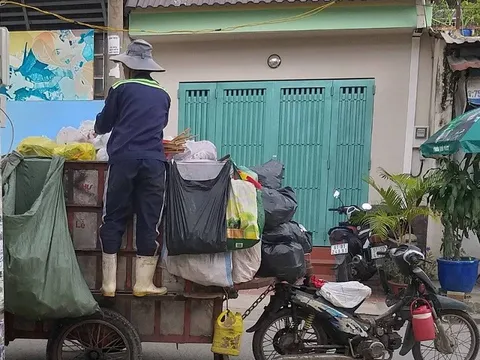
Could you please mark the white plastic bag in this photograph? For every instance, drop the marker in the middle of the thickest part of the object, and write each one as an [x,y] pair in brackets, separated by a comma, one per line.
[100,141]
[198,150]
[102,154]
[87,129]
[203,269]
[346,295]
[246,263]
[69,135]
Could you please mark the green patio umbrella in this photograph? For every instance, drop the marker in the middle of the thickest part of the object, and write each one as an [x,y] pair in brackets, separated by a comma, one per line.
[462,133]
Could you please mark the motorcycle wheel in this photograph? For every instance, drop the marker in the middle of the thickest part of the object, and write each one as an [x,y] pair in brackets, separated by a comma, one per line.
[424,350]
[343,272]
[280,339]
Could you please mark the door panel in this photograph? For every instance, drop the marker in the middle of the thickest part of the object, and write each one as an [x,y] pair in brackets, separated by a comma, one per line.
[197,109]
[351,135]
[241,129]
[303,143]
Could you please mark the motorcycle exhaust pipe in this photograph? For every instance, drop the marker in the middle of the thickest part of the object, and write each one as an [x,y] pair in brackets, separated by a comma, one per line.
[315,357]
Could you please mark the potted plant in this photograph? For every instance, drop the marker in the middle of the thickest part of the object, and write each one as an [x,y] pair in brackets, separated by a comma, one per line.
[401,202]
[443,14]
[455,196]
[470,17]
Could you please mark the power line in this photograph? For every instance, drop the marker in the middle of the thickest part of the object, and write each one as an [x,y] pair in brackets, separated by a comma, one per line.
[303,15]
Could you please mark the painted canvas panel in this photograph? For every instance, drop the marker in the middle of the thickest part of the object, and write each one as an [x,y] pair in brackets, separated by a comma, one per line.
[51,65]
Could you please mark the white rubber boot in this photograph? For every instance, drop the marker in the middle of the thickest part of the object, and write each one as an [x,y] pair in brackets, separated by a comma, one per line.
[144,271]
[109,274]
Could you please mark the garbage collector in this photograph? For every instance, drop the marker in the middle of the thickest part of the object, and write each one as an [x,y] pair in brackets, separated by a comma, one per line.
[136,112]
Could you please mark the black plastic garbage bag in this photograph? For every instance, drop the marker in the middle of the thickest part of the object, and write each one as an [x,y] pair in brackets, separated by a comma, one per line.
[270,174]
[195,218]
[42,277]
[285,261]
[280,206]
[288,233]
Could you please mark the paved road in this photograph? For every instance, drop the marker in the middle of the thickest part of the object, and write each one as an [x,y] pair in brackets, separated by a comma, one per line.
[35,350]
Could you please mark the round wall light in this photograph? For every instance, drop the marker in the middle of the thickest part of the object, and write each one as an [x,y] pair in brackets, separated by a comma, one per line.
[274,61]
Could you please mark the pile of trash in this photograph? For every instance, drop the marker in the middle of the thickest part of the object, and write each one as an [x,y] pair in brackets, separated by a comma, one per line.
[226,224]
[83,144]
[70,143]
[284,241]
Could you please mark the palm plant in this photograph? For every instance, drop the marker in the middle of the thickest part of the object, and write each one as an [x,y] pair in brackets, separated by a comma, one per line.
[401,202]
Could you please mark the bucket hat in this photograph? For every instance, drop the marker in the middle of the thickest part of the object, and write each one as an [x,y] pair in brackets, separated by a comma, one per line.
[138,57]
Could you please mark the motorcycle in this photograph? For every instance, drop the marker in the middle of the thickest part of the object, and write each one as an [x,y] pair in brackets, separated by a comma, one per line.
[356,256]
[299,322]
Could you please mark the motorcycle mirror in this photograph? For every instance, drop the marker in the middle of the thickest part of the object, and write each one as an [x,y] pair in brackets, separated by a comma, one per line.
[366,206]
[336,194]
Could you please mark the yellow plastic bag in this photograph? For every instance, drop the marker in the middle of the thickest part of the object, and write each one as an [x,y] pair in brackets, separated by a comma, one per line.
[227,334]
[76,151]
[36,145]
[242,215]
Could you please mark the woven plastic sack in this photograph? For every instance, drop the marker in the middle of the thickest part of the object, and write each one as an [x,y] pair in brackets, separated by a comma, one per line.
[246,263]
[242,215]
[202,269]
[42,277]
[78,151]
[37,146]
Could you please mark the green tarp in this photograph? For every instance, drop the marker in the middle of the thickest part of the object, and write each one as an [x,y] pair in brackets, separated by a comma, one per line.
[42,276]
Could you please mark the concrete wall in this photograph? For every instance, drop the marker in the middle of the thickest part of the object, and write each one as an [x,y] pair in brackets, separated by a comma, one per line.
[313,55]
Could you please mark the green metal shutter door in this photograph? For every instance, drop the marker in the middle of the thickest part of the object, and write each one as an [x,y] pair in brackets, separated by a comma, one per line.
[352,116]
[241,126]
[321,130]
[197,109]
[303,146]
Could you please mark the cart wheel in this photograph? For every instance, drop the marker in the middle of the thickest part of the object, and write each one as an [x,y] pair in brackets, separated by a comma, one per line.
[220,357]
[104,336]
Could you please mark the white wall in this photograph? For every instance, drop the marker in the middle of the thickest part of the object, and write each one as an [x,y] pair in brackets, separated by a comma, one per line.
[384,57]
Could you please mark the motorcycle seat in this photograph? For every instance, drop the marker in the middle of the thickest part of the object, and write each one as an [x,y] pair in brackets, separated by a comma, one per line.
[345,295]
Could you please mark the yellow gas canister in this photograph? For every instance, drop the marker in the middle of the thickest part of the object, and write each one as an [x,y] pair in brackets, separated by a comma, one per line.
[228,333]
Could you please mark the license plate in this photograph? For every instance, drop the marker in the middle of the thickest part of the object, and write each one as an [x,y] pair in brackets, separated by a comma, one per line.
[338,249]
[376,250]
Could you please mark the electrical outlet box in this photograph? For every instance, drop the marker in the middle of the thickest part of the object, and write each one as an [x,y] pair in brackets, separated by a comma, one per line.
[420,136]
[4,70]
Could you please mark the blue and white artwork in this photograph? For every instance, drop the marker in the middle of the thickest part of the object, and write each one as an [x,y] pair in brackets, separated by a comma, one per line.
[51,65]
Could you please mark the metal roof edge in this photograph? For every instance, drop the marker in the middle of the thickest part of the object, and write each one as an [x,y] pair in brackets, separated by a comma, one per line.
[456,37]
[155,4]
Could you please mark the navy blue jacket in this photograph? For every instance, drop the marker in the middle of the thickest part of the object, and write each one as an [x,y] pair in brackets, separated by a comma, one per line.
[136,112]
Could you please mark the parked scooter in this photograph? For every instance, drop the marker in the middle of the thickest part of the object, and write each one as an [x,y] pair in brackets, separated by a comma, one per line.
[356,256]
[299,322]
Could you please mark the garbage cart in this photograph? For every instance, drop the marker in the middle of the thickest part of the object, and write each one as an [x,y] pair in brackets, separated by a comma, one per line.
[185,315]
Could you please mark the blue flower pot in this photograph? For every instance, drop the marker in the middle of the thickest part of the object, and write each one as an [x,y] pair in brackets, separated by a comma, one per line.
[458,275]
[467,32]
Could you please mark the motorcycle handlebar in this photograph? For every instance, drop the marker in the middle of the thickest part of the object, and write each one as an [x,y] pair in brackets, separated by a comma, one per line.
[332,209]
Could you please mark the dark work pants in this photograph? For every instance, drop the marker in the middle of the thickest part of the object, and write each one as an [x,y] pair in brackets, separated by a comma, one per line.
[138,186]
